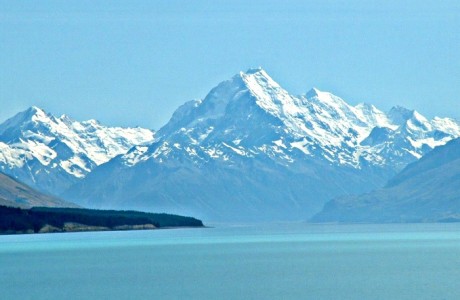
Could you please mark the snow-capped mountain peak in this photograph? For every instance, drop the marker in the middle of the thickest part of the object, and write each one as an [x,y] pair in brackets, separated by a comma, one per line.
[251,114]
[32,114]
[254,71]
[447,125]
[313,92]
[399,115]
[372,115]
[251,148]
[36,140]
[249,142]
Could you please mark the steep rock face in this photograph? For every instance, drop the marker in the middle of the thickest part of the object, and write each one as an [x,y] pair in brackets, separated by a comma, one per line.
[252,151]
[425,191]
[51,153]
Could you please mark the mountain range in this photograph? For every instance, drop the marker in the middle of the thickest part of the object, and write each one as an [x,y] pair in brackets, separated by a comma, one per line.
[427,190]
[248,151]
[51,153]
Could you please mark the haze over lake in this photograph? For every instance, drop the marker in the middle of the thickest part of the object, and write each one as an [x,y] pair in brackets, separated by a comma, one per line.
[274,261]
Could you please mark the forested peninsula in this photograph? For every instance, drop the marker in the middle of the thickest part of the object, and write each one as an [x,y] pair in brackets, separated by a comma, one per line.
[46,219]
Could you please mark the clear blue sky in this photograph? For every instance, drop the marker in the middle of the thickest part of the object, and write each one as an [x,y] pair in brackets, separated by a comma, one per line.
[133,62]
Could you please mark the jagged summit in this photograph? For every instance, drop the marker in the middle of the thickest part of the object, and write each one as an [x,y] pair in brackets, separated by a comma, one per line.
[366,106]
[313,92]
[257,80]
[401,109]
[251,115]
[399,115]
[32,110]
[250,149]
[254,70]
[50,152]
[92,122]
[32,113]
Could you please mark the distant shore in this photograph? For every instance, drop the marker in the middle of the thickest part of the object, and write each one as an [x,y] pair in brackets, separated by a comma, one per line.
[52,220]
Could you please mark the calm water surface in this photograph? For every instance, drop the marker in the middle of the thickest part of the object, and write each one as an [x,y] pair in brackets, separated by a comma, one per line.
[275,261]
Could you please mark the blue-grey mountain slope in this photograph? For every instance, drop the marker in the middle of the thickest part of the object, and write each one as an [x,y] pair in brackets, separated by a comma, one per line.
[425,191]
[18,194]
[252,151]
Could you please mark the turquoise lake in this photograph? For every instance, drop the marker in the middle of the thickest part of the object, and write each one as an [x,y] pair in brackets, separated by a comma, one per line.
[269,261]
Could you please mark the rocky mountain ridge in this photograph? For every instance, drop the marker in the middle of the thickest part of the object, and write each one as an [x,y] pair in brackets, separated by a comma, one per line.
[253,149]
[51,153]
[425,191]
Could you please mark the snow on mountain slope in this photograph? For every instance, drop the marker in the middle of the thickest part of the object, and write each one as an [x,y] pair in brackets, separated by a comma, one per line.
[252,115]
[251,148]
[34,142]
[425,191]
[414,137]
